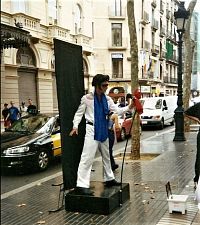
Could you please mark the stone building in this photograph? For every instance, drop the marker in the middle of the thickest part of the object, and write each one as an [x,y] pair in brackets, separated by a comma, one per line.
[29,72]
[195,34]
[157,47]
[101,28]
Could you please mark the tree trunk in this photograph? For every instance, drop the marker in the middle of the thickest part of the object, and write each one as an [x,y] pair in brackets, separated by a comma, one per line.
[135,132]
[189,52]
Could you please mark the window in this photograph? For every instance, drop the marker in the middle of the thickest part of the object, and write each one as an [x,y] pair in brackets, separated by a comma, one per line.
[116,8]
[77,19]
[19,6]
[85,67]
[117,65]
[116,34]
[153,39]
[153,16]
[52,7]
[142,39]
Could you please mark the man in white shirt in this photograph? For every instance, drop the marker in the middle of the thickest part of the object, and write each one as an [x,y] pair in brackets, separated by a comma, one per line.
[96,107]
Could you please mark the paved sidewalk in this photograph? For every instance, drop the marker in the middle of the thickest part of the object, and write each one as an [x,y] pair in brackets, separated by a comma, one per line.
[147,178]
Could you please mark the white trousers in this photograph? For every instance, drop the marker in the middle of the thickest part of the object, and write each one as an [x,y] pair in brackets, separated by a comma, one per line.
[89,150]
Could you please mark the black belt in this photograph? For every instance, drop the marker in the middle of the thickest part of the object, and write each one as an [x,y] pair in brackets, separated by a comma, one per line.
[90,123]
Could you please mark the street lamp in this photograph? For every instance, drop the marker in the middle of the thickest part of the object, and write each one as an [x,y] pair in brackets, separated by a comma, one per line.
[180,16]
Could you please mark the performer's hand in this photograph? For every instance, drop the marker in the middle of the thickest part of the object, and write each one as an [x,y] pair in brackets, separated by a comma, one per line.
[74,131]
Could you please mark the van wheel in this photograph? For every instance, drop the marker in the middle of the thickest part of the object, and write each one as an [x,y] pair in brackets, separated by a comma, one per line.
[43,160]
[162,124]
[123,134]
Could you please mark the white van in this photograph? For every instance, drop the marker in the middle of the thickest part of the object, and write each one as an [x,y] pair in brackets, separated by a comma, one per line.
[158,111]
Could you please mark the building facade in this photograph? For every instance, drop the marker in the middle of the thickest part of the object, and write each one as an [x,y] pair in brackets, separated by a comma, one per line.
[195,34]
[29,72]
[101,28]
[157,46]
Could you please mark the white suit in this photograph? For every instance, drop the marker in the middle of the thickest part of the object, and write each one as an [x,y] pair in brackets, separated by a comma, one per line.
[90,145]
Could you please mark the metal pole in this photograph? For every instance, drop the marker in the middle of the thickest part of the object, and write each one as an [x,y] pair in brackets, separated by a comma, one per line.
[179,117]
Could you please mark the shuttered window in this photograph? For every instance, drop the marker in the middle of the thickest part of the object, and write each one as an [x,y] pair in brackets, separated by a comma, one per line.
[27,86]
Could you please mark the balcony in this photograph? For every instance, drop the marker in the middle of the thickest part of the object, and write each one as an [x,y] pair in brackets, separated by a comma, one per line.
[168,13]
[153,4]
[154,25]
[161,8]
[29,23]
[155,50]
[84,41]
[172,17]
[145,18]
[173,80]
[162,55]
[162,31]
[170,79]
[55,31]
[121,45]
[171,36]
[165,79]
[172,58]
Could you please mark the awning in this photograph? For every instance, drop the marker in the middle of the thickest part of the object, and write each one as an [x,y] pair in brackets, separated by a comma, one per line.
[13,37]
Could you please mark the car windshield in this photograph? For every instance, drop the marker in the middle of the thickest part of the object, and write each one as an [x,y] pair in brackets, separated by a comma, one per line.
[29,123]
[152,104]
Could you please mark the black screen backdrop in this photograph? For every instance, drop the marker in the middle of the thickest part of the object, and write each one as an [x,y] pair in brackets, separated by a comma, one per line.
[70,89]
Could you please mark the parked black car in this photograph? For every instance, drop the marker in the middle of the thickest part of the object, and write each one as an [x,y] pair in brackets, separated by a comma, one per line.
[31,142]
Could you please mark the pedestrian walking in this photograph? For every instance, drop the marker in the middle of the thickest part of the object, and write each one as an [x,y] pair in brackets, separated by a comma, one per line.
[23,109]
[5,113]
[113,126]
[13,114]
[31,108]
[194,114]
[95,106]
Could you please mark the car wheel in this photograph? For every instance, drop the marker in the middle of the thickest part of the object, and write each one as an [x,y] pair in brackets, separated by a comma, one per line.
[42,160]
[123,134]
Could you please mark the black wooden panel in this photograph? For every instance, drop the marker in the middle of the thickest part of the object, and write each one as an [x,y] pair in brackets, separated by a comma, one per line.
[70,89]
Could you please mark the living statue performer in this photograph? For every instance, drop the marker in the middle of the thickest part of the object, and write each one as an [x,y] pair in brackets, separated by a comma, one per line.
[95,106]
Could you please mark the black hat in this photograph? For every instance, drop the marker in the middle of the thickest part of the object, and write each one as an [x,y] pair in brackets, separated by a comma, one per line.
[99,79]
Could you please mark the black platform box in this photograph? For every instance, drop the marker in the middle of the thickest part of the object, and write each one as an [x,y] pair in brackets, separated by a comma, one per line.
[104,201]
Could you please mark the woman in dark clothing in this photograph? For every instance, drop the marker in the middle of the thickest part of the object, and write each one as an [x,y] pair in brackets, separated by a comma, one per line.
[113,119]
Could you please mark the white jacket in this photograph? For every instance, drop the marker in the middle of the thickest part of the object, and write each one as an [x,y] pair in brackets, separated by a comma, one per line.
[87,108]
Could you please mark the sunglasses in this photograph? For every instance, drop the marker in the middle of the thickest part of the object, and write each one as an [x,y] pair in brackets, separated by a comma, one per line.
[104,85]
